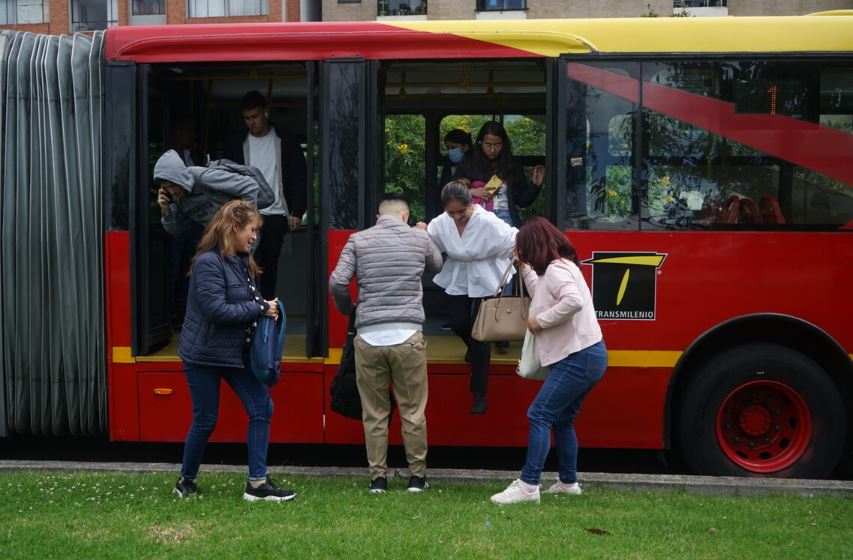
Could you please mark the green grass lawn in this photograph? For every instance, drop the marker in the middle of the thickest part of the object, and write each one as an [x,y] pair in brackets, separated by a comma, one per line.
[94,516]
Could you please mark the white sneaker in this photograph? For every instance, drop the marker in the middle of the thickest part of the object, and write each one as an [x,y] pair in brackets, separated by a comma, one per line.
[515,494]
[562,488]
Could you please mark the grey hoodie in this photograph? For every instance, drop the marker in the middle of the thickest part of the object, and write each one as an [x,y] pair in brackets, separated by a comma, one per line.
[207,190]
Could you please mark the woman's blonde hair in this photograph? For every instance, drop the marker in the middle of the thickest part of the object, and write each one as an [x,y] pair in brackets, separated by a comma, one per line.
[219,233]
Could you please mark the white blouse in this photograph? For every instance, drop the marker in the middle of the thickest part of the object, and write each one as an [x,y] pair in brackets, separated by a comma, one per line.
[477,259]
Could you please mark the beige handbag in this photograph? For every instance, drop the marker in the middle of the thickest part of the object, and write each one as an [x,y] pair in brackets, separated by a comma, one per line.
[502,318]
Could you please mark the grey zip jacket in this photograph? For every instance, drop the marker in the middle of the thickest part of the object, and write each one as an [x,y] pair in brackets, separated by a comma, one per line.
[207,190]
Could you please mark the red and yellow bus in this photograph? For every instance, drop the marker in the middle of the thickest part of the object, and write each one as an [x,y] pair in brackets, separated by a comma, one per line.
[703,167]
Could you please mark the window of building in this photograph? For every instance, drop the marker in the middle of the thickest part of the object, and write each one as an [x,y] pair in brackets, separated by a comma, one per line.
[402,7]
[149,7]
[92,15]
[700,3]
[21,11]
[223,8]
[500,5]
[353,2]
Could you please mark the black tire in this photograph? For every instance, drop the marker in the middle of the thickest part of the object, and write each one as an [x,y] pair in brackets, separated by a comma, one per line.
[762,410]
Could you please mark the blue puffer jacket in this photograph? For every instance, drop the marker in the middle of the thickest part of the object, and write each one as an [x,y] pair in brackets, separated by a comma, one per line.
[220,306]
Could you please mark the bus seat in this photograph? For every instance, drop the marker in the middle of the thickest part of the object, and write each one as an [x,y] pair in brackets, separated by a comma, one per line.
[771,213]
[730,211]
[748,212]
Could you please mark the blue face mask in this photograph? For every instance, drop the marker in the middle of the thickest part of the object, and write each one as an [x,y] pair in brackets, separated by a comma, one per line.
[455,154]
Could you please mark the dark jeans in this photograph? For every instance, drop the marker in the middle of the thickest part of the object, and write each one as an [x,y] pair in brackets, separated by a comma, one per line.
[463,310]
[269,250]
[204,389]
[557,404]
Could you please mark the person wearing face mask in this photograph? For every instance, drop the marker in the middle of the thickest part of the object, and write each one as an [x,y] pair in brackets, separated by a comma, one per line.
[478,246]
[492,158]
[458,143]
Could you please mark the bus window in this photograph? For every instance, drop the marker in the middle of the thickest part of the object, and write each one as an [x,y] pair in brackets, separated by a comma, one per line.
[527,133]
[747,144]
[404,160]
[431,98]
[600,137]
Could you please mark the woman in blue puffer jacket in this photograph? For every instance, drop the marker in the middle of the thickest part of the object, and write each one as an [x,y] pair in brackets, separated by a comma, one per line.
[223,306]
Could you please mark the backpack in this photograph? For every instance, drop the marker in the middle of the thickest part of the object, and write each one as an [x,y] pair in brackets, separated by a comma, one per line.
[344,390]
[267,346]
[346,399]
[266,196]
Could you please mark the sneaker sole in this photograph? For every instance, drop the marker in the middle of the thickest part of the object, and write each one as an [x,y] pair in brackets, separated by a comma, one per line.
[178,494]
[417,490]
[513,503]
[249,498]
[377,491]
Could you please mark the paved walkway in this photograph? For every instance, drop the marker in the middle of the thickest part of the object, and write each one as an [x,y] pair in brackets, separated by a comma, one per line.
[706,485]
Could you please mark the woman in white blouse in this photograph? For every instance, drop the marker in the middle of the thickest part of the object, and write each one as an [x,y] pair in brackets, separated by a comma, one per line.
[478,246]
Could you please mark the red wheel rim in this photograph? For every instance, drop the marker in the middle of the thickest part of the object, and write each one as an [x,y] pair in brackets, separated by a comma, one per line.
[764,426]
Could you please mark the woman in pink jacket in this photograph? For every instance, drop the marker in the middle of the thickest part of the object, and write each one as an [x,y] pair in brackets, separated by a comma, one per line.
[569,341]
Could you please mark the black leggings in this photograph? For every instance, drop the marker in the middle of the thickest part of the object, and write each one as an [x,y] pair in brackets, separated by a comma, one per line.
[269,249]
[463,310]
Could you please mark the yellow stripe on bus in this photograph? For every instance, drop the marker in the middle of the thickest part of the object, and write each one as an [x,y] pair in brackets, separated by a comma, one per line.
[123,355]
[649,35]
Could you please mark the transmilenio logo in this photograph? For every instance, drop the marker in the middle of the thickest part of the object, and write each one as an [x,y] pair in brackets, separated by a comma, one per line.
[624,285]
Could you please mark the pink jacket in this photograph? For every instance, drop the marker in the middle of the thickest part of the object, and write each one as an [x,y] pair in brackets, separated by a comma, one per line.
[562,304]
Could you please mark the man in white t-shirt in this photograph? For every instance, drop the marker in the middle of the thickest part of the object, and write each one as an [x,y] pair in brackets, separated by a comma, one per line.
[280,159]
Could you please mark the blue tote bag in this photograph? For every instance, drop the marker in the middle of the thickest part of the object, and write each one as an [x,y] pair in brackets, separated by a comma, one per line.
[267,346]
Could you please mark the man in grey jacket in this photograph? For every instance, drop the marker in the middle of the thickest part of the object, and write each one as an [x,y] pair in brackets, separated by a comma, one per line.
[389,261]
[196,193]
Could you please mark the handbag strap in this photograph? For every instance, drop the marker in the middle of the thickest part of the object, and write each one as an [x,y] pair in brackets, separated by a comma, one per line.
[504,280]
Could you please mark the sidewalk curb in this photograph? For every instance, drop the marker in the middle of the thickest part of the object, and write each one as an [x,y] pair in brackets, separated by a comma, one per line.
[701,485]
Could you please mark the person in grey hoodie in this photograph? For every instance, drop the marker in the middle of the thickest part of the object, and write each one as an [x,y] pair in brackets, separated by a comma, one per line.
[194,194]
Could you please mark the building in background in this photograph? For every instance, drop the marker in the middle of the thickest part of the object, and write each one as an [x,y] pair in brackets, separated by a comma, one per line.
[355,10]
[65,16]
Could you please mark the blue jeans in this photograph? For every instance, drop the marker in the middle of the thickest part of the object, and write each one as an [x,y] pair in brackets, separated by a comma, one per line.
[557,405]
[204,389]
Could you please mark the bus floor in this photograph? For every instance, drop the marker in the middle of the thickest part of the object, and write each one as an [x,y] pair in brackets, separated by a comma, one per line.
[442,347]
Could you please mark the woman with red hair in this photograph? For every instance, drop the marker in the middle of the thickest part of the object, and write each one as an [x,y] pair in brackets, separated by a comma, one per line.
[568,340]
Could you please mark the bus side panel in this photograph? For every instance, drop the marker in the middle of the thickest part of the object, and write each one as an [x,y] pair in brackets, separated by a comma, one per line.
[121,374]
[165,407]
[708,278]
[338,322]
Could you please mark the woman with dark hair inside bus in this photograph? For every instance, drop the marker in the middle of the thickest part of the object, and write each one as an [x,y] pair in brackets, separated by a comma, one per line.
[222,309]
[478,246]
[569,340]
[458,144]
[492,157]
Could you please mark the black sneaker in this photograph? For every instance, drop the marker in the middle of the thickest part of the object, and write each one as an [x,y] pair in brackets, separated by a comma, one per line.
[185,488]
[446,326]
[417,484]
[267,491]
[378,485]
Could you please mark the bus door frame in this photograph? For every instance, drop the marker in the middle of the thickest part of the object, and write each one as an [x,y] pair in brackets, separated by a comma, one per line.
[348,177]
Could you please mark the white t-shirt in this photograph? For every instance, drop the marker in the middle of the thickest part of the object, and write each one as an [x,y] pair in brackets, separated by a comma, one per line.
[262,155]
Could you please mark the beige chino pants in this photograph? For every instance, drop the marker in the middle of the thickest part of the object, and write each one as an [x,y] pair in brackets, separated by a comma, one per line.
[404,367]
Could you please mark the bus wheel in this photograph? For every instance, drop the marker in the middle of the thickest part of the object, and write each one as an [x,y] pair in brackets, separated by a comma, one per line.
[762,409]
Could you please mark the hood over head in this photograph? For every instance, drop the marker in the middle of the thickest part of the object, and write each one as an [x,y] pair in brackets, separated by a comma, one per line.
[170,167]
